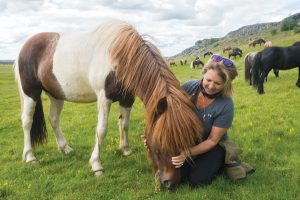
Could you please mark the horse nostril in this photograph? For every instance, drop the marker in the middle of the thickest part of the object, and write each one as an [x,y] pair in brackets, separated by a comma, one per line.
[167,184]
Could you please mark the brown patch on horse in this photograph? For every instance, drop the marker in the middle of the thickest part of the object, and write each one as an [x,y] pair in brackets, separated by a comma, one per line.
[36,64]
[142,69]
[115,92]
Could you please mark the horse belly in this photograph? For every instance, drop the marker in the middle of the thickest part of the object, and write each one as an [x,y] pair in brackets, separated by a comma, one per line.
[76,88]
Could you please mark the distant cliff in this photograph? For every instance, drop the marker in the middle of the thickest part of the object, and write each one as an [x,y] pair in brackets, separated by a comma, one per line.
[240,35]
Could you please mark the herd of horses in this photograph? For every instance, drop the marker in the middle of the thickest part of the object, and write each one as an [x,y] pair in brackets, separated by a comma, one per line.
[259,64]
[108,71]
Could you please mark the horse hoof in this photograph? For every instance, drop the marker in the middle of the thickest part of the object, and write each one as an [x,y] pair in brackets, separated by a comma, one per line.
[33,162]
[126,152]
[66,149]
[98,173]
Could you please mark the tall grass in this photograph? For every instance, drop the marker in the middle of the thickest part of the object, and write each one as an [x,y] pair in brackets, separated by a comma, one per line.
[265,126]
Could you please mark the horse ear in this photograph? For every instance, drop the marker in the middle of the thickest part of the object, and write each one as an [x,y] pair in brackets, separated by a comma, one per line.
[162,106]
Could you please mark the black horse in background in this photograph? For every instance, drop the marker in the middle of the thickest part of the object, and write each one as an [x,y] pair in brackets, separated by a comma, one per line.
[234,54]
[196,63]
[208,53]
[236,49]
[281,58]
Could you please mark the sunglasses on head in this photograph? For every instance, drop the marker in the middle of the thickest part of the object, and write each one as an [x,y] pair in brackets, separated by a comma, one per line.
[226,62]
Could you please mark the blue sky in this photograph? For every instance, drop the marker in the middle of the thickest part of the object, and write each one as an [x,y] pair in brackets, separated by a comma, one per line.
[172,25]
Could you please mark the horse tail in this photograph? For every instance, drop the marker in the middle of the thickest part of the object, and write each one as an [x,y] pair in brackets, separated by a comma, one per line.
[256,68]
[192,65]
[247,68]
[38,131]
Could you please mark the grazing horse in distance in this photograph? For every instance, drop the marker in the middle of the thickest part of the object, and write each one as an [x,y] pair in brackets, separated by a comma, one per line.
[257,41]
[236,49]
[208,53]
[248,67]
[173,63]
[268,44]
[181,62]
[281,58]
[195,63]
[115,64]
[226,49]
[234,54]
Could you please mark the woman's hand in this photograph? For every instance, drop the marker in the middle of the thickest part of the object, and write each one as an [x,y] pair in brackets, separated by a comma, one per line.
[178,161]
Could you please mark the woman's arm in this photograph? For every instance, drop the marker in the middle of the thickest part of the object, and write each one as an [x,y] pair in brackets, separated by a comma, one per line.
[213,139]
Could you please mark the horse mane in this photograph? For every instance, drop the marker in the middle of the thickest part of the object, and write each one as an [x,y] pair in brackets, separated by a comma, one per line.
[141,69]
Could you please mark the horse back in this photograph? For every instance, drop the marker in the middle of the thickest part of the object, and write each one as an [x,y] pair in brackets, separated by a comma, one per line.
[282,58]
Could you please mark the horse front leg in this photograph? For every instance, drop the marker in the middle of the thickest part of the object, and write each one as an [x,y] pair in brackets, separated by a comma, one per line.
[54,119]
[123,130]
[103,105]
[260,87]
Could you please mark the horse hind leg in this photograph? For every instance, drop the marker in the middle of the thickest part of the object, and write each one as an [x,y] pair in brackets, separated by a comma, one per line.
[123,130]
[103,110]
[54,119]
[28,105]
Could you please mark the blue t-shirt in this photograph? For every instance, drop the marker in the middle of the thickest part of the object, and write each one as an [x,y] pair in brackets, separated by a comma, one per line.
[219,113]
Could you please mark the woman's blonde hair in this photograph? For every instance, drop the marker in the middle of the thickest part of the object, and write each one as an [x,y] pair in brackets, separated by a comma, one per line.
[227,74]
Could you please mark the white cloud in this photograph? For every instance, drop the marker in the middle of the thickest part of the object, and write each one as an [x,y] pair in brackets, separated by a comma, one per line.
[172,25]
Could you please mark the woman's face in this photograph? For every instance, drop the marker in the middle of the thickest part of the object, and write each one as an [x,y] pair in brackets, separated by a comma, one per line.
[212,82]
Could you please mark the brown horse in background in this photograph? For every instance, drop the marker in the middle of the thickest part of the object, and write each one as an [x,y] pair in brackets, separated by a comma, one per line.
[257,41]
[173,63]
[226,49]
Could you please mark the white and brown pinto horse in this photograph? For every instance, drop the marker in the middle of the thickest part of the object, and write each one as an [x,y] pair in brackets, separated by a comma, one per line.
[109,63]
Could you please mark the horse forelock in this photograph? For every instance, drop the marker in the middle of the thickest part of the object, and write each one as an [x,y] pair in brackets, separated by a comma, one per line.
[142,69]
[177,129]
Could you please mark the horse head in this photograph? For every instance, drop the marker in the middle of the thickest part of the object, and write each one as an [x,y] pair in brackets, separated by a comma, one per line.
[168,138]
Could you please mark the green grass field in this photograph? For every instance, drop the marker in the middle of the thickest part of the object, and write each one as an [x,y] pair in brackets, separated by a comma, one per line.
[265,126]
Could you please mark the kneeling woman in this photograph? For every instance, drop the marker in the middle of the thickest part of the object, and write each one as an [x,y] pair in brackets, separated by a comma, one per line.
[212,98]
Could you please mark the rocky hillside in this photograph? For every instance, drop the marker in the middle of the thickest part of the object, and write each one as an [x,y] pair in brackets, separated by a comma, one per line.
[241,35]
